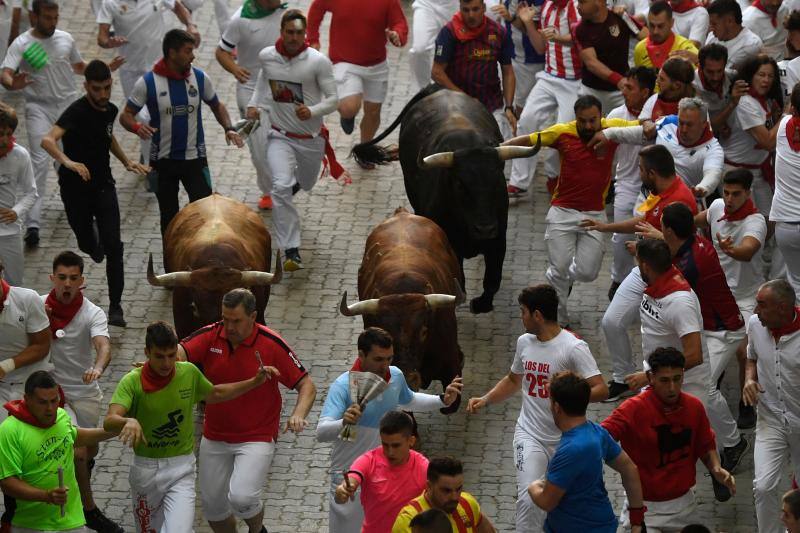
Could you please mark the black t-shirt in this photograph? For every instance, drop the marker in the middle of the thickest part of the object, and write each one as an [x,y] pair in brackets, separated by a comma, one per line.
[87,140]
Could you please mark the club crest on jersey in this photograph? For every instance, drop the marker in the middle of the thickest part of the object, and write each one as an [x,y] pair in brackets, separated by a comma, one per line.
[492,37]
[613,30]
[192,91]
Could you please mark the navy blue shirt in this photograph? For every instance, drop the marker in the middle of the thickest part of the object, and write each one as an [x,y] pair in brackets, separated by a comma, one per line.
[577,468]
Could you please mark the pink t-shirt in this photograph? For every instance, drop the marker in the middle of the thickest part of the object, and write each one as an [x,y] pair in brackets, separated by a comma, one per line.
[385,489]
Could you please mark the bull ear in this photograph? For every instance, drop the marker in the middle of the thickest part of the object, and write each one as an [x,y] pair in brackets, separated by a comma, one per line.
[513,152]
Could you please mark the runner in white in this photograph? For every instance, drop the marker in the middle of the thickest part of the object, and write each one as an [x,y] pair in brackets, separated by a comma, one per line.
[78,327]
[300,81]
[552,98]
[16,174]
[253,27]
[773,384]
[714,86]
[544,350]
[766,19]
[9,24]
[639,85]
[725,25]
[430,16]
[690,19]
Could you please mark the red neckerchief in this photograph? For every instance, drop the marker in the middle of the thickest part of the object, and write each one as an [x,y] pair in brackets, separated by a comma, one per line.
[685,6]
[773,17]
[10,147]
[793,134]
[5,287]
[357,368]
[659,53]
[62,314]
[662,109]
[748,208]
[162,69]
[152,381]
[19,409]
[705,85]
[789,328]
[279,46]
[634,113]
[670,281]
[704,138]
[761,99]
[460,30]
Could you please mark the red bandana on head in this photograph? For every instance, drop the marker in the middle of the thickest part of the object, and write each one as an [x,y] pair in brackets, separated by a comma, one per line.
[789,328]
[62,314]
[11,141]
[357,368]
[162,69]
[281,48]
[659,52]
[670,281]
[773,17]
[461,31]
[686,5]
[152,381]
[748,208]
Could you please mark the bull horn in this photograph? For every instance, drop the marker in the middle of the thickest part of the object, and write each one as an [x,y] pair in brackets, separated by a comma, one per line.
[436,301]
[257,278]
[514,152]
[460,296]
[173,279]
[364,307]
[439,160]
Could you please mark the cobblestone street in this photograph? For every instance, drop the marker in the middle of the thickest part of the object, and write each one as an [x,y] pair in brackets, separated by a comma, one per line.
[303,309]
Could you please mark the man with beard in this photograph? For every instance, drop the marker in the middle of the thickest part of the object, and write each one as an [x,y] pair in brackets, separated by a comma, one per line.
[662,42]
[444,491]
[87,187]
[580,192]
[716,88]
[673,83]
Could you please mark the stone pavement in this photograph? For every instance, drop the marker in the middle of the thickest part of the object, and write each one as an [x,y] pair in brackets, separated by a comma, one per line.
[336,222]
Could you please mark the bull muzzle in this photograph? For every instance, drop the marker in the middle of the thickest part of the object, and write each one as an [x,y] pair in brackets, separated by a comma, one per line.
[504,153]
[171,279]
[257,278]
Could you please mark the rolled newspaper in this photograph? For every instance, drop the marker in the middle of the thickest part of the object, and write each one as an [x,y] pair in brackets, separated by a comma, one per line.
[364,386]
[61,485]
[245,127]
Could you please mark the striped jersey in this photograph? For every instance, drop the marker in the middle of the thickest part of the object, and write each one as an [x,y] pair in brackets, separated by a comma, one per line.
[175,113]
[464,519]
[560,60]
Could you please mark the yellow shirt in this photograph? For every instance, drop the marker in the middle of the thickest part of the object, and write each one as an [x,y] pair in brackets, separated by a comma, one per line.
[464,519]
[642,59]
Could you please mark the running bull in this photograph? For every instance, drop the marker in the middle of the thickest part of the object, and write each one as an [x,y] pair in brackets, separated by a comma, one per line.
[407,285]
[220,244]
[453,172]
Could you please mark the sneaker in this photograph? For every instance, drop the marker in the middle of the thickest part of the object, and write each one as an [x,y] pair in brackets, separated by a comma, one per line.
[747,416]
[612,290]
[96,520]
[265,202]
[116,316]
[348,124]
[732,456]
[295,188]
[292,261]
[32,237]
[617,391]
[721,492]
[515,192]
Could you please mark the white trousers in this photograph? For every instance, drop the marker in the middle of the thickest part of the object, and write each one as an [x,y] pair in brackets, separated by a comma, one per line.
[787,237]
[722,347]
[39,118]
[697,382]
[231,477]
[163,493]
[525,74]
[291,161]
[425,26]
[623,262]
[551,100]
[609,99]
[531,458]
[665,517]
[127,79]
[621,314]
[85,412]
[573,253]
[256,141]
[346,517]
[13,259]
[774,444]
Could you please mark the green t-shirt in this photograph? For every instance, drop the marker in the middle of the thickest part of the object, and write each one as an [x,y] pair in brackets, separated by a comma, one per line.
[33,454]
[165,415]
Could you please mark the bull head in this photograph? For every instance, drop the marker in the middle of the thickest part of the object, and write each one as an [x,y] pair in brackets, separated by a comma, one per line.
[504,153]
[434,301]
[249,278]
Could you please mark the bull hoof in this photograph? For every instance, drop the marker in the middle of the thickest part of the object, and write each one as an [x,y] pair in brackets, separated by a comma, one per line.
[452,408]
[480,305]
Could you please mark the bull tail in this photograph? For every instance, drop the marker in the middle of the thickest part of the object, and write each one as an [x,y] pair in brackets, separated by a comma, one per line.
[370,153]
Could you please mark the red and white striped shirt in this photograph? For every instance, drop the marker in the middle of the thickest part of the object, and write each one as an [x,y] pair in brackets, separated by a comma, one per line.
[560,60]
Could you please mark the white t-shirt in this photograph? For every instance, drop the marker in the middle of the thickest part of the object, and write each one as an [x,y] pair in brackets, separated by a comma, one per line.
[772,37]
[786,200]
[73,354]
[23,313]
[778,369]
[740,146]
[665,320]
[16,175]
[249,37]
[55,82]
[716,101]
[789,72]
[740,48]
[537,361]
[743,277]
[142,24]
[692,24]
[626,159]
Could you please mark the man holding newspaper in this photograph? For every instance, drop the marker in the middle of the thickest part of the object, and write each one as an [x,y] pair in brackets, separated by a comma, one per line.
[356,402]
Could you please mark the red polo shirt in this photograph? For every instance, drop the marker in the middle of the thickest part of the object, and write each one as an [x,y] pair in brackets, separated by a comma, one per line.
[677,192]
[254,416]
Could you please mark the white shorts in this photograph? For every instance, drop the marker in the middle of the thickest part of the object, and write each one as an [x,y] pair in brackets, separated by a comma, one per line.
[670,515]
[85,412]
[371,82]
[231,477]
[163,493]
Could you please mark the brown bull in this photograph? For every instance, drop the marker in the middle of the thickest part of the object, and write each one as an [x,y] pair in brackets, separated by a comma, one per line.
[218,244]
[405,285]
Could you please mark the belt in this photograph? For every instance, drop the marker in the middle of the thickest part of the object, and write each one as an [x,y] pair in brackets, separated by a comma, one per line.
[744,165]
[295,135]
